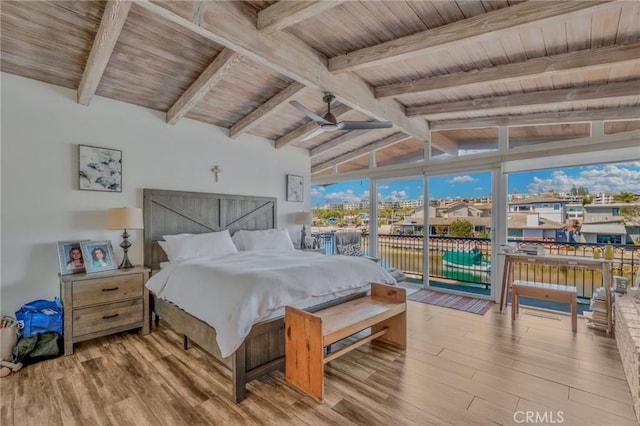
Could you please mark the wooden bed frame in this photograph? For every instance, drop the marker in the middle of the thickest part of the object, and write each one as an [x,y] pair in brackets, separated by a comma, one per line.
[174,212]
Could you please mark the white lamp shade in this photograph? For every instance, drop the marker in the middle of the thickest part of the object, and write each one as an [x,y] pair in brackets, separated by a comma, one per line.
[302,218]
[125,218]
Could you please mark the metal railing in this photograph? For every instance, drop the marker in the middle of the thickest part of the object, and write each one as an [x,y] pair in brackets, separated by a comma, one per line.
[405,252]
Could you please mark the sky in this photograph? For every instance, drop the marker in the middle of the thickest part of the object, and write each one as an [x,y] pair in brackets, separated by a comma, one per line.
[609,178]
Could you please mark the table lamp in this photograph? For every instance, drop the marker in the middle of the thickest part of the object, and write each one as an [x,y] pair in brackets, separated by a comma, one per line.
[125,218]
[303,218]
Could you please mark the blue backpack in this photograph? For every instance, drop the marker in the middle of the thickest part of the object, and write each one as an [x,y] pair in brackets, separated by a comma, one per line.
[40,316]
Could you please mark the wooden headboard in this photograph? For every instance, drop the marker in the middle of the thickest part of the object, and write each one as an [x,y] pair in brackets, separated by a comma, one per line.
[176,212]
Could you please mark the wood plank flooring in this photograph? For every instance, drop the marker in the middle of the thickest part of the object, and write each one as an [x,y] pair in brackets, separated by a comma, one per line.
[459,369]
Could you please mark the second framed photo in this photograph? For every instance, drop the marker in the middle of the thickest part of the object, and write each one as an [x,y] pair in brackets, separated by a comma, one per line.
[98,256]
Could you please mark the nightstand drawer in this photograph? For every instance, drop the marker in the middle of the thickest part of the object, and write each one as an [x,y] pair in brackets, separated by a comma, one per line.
[99,318]
[105,290]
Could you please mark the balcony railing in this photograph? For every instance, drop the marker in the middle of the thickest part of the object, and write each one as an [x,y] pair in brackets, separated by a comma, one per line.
[455,260]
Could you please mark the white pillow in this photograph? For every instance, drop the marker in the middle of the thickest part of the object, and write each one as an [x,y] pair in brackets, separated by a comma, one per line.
[266,239]
[237,240]
[212,244]
[165,246]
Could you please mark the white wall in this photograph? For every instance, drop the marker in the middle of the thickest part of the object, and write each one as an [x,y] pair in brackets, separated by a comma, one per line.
[42,126]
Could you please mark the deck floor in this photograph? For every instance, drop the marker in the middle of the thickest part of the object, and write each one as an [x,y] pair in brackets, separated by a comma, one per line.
[459,368]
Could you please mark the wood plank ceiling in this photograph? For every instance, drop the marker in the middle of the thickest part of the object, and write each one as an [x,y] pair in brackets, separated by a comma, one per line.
[419,64]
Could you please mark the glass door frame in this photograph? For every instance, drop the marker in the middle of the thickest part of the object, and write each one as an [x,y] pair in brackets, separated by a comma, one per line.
[498,225]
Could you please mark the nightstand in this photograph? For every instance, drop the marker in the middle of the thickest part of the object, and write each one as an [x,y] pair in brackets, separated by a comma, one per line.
[104,303]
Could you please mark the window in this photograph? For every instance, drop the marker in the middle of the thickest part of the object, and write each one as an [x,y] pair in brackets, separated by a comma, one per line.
[615,211]
[556,206]
[609,239]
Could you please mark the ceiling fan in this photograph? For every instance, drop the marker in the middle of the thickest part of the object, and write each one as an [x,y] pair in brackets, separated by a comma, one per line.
[329,122]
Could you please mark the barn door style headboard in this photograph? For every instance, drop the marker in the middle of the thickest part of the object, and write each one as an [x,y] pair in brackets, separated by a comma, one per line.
[176,212]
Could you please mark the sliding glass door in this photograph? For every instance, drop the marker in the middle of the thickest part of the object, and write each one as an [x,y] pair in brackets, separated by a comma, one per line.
[459,228]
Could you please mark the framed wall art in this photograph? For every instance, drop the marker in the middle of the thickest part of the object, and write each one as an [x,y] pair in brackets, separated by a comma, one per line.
[295,188]
[70,257]
[100,169]
[98,256]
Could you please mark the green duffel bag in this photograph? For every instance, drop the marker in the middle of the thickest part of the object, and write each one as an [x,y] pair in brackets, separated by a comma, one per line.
[36,348]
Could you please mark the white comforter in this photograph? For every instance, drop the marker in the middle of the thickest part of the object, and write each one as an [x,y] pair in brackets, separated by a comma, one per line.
[232,293]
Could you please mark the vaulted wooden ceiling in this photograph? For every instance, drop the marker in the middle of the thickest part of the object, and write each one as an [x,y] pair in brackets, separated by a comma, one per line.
[439,65]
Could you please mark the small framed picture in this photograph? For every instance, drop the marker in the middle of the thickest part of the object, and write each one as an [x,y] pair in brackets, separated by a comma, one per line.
[70,257]
[98,256]
[99,169]
[295,188]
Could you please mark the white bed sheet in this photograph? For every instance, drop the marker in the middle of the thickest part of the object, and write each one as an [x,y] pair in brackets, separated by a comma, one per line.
[234,292]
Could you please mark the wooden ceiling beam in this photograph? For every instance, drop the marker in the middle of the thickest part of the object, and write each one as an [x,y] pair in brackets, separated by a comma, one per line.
[215,72]
[582,60]
[225,23]
[284,14]
[336,142]
[541,118]
[411,157]
[374,146]
[452,35]
[304,130]
[444,144]
[265,110]
[619,91]
[113,19]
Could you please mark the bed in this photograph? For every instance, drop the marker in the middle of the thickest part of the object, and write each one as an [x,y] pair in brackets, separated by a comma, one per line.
[175,212]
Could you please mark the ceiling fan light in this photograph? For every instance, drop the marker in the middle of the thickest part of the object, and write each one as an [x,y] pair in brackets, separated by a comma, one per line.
[330,127]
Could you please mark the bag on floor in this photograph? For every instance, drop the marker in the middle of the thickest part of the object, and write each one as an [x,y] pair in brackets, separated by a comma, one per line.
[36,348]
[40,316]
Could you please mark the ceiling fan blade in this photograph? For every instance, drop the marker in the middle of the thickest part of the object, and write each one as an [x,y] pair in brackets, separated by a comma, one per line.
[363,125]
[312,115]
[313,134]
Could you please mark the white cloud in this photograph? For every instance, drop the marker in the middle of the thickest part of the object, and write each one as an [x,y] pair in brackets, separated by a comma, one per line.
[347,196]
[462,179]
[317,191]
[395,196]
[611,178]
[478,188]
[341,196]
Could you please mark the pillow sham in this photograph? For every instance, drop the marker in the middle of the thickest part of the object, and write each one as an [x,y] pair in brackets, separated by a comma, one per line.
[266,239]
[350,249]
[187,246]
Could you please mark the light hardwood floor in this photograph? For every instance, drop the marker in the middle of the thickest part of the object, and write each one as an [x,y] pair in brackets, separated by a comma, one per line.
[459,368]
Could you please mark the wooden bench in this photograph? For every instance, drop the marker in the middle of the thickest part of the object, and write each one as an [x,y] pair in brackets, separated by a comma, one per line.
[307,334]
[538,290]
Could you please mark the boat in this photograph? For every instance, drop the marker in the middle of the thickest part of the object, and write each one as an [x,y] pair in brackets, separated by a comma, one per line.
[469,260]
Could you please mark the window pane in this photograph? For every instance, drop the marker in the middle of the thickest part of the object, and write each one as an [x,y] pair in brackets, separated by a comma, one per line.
[457,143]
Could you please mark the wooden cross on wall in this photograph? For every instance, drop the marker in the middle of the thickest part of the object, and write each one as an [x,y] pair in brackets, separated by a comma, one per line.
[217,170]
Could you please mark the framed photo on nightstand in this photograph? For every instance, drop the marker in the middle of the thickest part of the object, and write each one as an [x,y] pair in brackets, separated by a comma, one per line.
[70,258]
[98,256]
[295,188]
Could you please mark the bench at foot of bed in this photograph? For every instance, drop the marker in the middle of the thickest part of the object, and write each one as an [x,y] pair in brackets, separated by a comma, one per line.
[307,334]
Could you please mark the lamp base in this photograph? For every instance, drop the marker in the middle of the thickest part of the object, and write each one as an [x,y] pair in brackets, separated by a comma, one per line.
[303,238]
[125,264]
[125,244]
